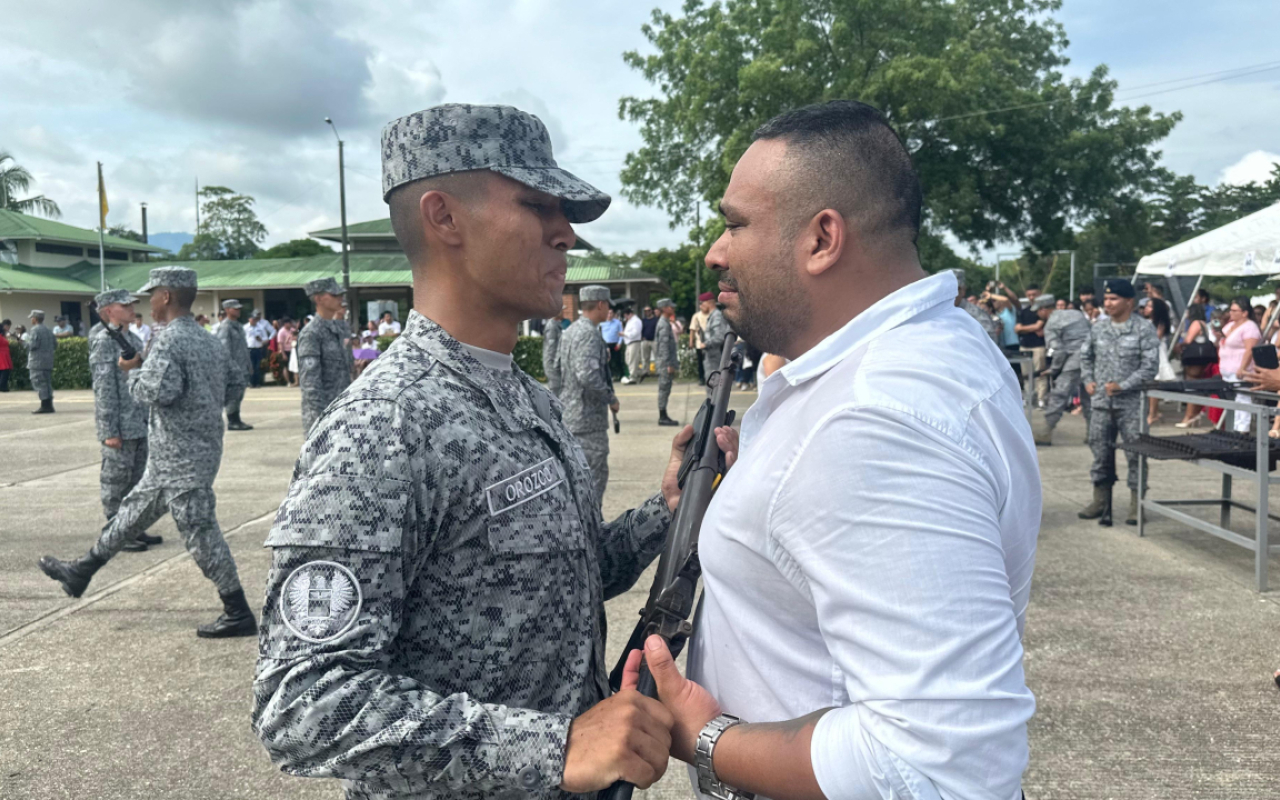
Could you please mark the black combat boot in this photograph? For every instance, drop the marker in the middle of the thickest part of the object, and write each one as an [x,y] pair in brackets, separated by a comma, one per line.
[46,407]
[236,620]
[135,546]
[663,419]
[150,540]
[1132,519]
[1105,519]
[73,575]
[234,423]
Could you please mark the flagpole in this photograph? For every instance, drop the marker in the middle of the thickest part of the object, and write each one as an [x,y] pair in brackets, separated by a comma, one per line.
[102,242]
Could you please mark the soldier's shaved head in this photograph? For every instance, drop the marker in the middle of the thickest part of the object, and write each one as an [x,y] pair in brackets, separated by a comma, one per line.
[405,203]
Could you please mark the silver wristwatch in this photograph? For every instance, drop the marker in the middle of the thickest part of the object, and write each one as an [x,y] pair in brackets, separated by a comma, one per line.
[703,753]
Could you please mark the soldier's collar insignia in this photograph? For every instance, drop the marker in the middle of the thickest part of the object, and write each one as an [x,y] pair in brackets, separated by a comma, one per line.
[320,601]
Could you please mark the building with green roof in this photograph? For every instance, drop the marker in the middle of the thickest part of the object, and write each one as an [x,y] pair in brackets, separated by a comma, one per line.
[63,283]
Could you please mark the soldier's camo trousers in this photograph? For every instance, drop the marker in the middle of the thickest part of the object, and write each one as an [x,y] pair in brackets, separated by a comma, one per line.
[42,382]
[665,380]
[1102,437]
[234,395]
[121,471]
[595,446]
[194,512]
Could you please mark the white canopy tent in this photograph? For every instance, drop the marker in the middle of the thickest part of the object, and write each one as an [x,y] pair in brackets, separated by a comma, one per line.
[1248,246]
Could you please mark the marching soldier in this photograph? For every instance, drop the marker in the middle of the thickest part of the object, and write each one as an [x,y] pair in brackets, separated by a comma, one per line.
[231,334]
[41,345]
[713,334]
[1121,353]
[121,421]
[183,382]
[587,391]
[551,333]
[433,625]
[1065,332]
[666,357]
[324,359]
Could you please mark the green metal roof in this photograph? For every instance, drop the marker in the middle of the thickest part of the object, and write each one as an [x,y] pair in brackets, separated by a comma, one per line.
[381,229]
[367,269]
[23,226]
[21,278]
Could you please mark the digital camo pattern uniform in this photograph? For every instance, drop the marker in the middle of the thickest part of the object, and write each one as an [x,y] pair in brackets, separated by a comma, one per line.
[231,334]
[586,395]
[551,333]
[458,501]
[324,366]
[117,416]
[666,354]
[40,349]
[1127,354]
[183,383]
[984,319]
[716,329]
[456,137]
[1065,333]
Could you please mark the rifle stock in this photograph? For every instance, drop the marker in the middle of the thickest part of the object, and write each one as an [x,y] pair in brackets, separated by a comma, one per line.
[670,605]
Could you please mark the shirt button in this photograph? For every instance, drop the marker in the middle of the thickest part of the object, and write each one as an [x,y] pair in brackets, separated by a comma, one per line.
[530,778]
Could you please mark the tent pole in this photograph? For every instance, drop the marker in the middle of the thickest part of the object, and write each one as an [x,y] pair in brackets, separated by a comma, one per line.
[1173,340]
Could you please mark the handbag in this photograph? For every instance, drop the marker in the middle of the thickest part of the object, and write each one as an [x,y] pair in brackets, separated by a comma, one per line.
[1199,352]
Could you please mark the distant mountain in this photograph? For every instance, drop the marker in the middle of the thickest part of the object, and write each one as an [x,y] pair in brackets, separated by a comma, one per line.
[172,242]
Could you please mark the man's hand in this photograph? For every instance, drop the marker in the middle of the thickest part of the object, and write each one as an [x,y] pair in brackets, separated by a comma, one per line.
[671,370]
[114,443]
[691,706]
[726,439]
[614,406]
[1113,389]
[132,363]
[624,737]
[1267,380]
[1090,388]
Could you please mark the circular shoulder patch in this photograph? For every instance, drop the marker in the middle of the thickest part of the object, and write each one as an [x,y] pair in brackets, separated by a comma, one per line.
[320,600]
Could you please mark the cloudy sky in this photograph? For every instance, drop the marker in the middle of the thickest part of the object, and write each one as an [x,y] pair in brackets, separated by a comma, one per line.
[234,92]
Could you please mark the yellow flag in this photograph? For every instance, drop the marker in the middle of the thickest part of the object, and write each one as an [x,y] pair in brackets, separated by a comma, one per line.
[102,200]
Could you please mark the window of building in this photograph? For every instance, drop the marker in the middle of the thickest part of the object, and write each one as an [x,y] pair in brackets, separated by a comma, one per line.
[112,255]
[59,249]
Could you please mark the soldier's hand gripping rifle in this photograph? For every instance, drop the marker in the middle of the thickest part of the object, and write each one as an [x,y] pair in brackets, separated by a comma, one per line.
[126,349]
[670,603]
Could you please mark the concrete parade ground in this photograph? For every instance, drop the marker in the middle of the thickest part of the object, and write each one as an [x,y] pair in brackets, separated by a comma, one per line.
[1150,658]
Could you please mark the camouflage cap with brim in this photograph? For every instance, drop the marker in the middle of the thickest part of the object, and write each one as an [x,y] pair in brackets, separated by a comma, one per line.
[322,286]
[170,278]
[459,137]
[113,296]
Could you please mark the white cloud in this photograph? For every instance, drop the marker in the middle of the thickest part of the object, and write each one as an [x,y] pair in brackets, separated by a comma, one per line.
[41,142]
[1255,166]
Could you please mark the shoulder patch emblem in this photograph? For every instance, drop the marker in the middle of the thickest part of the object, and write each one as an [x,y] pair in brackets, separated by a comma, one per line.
[524,486]
[320,600]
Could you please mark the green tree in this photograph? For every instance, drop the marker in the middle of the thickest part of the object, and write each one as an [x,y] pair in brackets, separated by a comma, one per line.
[229,227]
[935,68]
[295,248]
[124,232]
[15,179]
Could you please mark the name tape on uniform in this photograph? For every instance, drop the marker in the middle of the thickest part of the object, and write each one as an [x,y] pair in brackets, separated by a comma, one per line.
[524,486]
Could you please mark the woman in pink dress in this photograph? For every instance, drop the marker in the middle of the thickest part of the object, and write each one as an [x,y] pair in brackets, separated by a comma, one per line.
[1235,353]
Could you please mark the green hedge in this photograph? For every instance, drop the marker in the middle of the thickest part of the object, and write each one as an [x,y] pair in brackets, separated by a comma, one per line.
[70,365]
[528,356]
[383,342]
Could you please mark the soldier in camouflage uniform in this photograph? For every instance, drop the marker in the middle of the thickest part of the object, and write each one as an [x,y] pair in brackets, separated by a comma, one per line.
[551,333]
[666,356]
[1121,353]
[324,359]
[434,619]
[983,318]
[183,383]
[713,334]
[587,393]
[1065,332]
[121,422]
[231,333]
[41,345]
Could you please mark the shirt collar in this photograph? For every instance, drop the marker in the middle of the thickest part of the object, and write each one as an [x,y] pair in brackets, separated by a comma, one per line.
[885,314]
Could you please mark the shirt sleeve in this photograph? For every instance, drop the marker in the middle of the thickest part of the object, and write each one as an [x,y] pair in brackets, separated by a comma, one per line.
[331,707]
[912,598]
[106,388]
[1086,358]
[158,382]
[590,373]
[1150,359]
[630,543]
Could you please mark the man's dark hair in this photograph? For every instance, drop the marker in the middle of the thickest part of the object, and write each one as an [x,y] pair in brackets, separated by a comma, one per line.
[184,296]
[1035,287]
[847,158]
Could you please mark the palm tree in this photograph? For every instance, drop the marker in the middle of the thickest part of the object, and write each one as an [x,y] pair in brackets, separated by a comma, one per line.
[14,178]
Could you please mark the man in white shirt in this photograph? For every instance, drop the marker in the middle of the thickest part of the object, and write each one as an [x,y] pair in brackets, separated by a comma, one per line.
[388,326]
[632,330]
[867,560]
[257,334]
[140,329]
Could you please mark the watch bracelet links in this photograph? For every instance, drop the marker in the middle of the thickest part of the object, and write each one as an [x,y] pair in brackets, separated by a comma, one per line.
[704,752]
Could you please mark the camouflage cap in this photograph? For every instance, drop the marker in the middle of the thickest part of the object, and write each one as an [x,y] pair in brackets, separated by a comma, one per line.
[1044,301]
[664,303]
[36,314]
[322,286]
[113,296]
[458,137]
[170,278]
[589,294]
[232,303]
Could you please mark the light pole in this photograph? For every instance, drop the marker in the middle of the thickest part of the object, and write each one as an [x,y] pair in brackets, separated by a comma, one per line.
[346,264]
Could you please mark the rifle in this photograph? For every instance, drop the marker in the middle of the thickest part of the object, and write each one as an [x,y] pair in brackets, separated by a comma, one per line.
[126,348]
[670,601]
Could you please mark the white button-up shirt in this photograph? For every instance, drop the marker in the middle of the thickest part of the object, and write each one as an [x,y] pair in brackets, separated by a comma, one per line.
[257,334]
[871,552]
